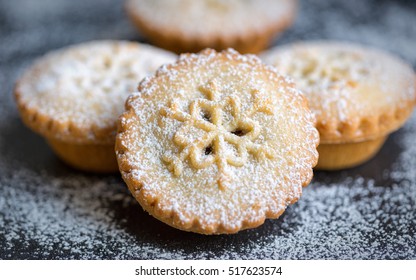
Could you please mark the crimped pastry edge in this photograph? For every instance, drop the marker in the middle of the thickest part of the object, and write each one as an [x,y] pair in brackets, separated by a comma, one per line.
[367,128]
[66,131]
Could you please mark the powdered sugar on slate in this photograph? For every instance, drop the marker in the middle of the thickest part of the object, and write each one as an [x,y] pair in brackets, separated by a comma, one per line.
[77,216]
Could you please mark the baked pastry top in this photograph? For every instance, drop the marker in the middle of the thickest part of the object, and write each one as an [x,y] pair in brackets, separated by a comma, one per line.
[185,25]
[357,93]
[216,143]
[207,17]
[77,93]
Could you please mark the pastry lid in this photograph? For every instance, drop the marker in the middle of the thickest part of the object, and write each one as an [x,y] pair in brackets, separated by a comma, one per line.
[357,93]
[216,143]
[77,93]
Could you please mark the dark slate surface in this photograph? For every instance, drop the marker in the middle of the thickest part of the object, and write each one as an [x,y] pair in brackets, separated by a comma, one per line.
[50,211]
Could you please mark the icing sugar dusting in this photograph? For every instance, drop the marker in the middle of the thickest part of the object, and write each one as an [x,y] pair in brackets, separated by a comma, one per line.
[355,217]
[237,191]
[87,84]
[343,80]
[224,16]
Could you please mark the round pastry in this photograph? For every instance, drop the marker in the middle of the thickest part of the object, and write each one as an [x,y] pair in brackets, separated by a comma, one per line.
[189,26]
[359,95]
[74,96]
[216,143]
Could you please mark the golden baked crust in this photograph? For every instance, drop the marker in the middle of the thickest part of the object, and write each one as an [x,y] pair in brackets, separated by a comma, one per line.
[96,158]
[216,143]
[76,94]
[347,155]
[190,26]
[357,93]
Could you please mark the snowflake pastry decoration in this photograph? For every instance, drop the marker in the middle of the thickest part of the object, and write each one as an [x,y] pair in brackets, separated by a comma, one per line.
[219,133]
[339,70]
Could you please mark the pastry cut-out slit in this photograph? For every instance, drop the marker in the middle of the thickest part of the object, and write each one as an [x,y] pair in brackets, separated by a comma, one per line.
[239,132]
[206,116]
[208,150]
[222,142]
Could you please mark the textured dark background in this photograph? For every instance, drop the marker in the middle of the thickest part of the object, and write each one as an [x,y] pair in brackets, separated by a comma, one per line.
[50,211]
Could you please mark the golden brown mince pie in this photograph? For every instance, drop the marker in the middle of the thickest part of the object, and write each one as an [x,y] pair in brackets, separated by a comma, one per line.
[216,143]
[359,95]
[74,96]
